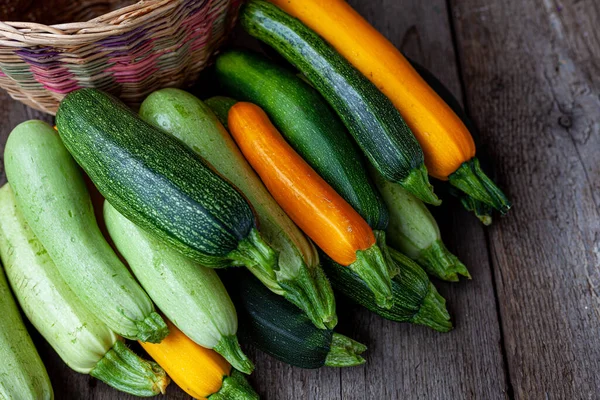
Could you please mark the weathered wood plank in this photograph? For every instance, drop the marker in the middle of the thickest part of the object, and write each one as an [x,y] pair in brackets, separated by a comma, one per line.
[531,73]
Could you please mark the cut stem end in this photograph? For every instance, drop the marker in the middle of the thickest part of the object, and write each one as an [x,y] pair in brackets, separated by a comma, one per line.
[439,262]
[235,387]
[344,352]
[153,329]
[433,312]
[126,371]
[475,183]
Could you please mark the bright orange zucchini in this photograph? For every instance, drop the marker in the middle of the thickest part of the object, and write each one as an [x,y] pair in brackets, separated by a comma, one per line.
[446,142]
[309,201]
[200,372]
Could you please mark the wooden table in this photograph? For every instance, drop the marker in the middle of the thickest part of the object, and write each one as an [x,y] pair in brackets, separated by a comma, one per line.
[528,324]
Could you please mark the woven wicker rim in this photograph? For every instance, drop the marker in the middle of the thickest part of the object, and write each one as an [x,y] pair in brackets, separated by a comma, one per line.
[26,34]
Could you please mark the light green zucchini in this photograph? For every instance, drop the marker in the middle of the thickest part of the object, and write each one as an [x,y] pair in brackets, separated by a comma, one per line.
[83,342]
[413,231]
[299,276]
[54,200]
[190,295]
[22,373]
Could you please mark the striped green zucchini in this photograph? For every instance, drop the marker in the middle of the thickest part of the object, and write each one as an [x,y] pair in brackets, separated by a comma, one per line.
[189,295]
[54,200]
[299,277]
[220,106]
[281,330]
[83,342]
[370,117]
[414,232]
[416,300]
[22,373]
[160,184]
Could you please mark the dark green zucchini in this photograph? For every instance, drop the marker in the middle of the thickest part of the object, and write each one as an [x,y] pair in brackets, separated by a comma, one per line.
[370,117]
[280,329]
[220,105]
[415,299]
[308,124]
[160,184]
[482,210]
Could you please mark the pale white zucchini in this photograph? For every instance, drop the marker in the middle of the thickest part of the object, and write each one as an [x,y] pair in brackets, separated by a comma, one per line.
[83,342]
[52,196]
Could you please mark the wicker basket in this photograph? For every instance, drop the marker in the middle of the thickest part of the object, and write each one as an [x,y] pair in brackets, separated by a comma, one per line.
[129,50]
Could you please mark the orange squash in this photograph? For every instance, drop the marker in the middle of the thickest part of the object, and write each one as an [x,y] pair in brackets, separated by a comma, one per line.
[446,142]
[310,202]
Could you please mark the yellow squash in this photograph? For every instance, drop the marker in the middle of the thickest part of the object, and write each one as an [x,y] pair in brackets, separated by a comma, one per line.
[200,372]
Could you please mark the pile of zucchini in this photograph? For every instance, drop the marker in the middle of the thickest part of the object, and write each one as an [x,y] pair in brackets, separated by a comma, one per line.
[300,182]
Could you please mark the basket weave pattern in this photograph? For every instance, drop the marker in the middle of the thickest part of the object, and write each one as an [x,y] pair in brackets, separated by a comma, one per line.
[129,52]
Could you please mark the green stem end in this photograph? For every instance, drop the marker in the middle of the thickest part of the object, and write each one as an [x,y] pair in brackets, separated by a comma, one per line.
[439,262]
[433,312]
[371,267]
[125,371]
[475,183]
[312,293]
[481,210]
[344,352]
[417,183]
[153,329]
[230,349]
[256,254]
[413,287]
[235,387]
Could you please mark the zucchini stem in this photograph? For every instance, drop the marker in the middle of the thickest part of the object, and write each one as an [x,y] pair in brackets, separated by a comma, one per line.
[235,387]
[481,210]
[389,261]
[153,329]
[418,184]
[124,370]
[311,292]
[344,352]
[256,254]
[412,286]
[439,262]
[475,183]
[371,267]
[230,349]
[433,312]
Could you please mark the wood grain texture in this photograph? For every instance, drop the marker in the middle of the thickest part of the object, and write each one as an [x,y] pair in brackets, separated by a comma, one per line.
[531,71]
